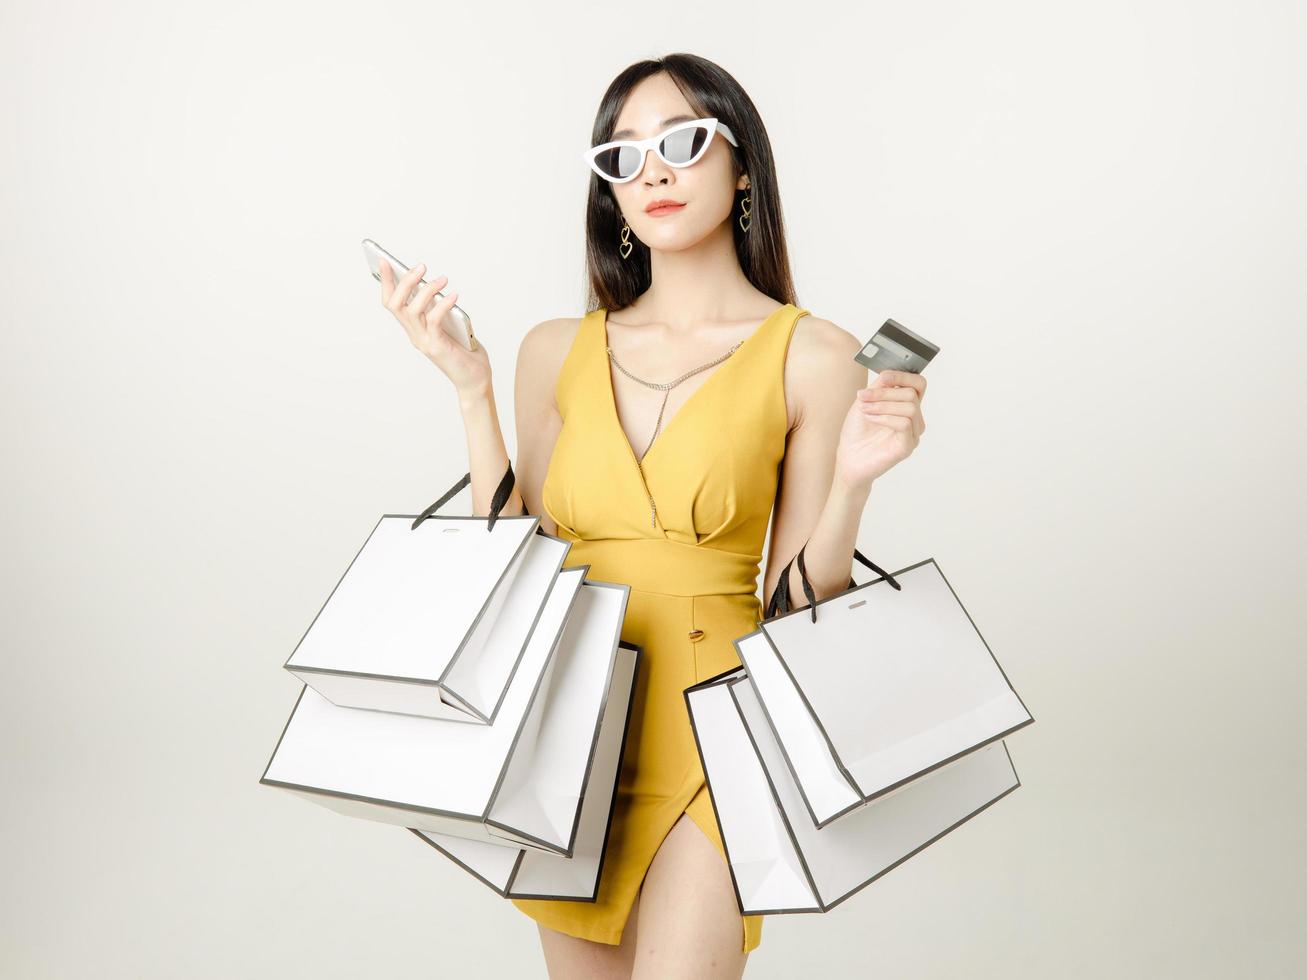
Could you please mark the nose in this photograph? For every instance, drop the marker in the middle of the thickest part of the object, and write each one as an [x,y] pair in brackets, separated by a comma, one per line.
[653,170]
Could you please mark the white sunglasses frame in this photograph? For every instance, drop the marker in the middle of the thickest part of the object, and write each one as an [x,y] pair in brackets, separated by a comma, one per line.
[644,146]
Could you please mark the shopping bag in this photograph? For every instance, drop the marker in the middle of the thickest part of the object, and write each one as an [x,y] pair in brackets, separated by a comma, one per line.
[876,686]
[527,873]
[780,861]
[519,780]
[433,615]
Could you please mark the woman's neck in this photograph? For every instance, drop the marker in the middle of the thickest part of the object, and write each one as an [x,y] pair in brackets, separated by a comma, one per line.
[697,285]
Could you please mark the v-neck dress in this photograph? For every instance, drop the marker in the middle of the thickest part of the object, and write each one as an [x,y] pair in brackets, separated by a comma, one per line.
[713,471]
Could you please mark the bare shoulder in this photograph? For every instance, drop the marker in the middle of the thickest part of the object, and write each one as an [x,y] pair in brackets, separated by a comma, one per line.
[820,372]
[542,353]
[550,339]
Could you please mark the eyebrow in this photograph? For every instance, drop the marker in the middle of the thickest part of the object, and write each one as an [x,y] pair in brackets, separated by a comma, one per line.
[622,134]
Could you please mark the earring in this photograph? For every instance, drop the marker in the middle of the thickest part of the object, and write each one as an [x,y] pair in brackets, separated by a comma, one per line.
[744,209]
[627,245]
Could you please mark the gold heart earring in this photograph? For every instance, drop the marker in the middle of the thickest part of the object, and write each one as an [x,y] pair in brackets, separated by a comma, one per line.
[627,245]
[744,209]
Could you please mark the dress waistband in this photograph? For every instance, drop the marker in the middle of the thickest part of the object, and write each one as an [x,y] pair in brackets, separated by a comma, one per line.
[666,567]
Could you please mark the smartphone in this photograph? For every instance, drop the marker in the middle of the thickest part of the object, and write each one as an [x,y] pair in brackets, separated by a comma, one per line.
[896,348]
[456,323]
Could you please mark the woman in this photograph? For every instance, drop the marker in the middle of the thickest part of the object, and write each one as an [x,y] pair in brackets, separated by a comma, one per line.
[726,398]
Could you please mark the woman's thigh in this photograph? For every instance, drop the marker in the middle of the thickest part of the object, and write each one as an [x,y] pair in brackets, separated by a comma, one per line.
[570,958]
[690,925]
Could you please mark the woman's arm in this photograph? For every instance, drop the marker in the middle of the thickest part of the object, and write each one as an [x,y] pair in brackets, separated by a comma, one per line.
[838,448]
[813,504]
[539,359]
[487,456]
[468,370]
[539,362]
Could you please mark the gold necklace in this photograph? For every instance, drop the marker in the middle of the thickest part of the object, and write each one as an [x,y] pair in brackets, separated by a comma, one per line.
[663,386]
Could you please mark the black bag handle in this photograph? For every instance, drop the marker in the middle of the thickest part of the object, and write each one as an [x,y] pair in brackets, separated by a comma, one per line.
[780,597]
[502,493]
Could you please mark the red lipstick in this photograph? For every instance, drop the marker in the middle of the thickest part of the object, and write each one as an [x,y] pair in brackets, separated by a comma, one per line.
[663,206]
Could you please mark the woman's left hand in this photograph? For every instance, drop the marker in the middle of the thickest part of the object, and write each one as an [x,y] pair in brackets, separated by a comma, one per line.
[882,428]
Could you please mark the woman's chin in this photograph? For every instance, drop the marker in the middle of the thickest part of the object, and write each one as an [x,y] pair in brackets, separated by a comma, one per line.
[676,240]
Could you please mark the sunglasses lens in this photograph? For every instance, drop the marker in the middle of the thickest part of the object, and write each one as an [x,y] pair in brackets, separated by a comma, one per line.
[621,161]
[684,145]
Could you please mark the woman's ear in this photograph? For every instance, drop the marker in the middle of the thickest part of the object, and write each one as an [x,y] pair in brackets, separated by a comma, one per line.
[742,184]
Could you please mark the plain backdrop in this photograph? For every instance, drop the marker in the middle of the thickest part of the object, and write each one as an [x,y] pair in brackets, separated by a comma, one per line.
[1097,210]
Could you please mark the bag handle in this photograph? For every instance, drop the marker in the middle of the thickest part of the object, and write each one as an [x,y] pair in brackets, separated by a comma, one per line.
[502,493]
[780,597]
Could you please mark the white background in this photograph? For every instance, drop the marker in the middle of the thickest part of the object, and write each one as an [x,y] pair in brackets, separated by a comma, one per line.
[1097,211]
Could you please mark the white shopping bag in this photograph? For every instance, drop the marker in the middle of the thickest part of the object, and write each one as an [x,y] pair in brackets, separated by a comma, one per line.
[874,687]
[519,780]
[526,873]
[780,860]
[433,615]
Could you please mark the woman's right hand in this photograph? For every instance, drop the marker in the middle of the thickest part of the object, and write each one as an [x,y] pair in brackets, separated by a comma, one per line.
[468,370]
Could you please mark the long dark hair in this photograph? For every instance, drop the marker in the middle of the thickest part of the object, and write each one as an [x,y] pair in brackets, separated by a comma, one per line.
[615,282]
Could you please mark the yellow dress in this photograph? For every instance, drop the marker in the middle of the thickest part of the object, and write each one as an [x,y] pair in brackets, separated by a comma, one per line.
[713,472]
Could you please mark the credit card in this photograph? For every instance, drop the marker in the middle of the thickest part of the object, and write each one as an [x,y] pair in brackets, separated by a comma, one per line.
[896,348]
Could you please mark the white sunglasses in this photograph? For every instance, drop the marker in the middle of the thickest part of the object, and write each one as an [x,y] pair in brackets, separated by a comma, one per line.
[677,146]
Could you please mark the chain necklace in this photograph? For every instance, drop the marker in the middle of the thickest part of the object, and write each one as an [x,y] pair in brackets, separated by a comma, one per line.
[664,386]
